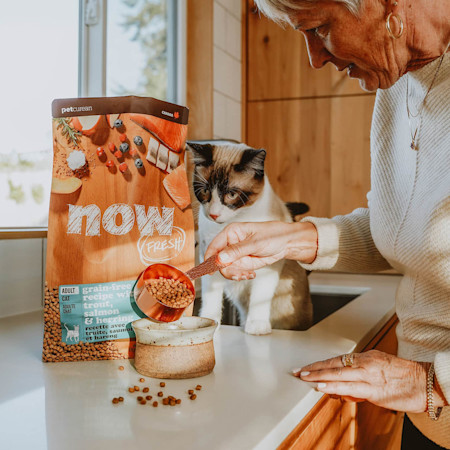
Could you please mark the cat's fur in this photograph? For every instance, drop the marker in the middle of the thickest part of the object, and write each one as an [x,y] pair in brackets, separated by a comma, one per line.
[230,184]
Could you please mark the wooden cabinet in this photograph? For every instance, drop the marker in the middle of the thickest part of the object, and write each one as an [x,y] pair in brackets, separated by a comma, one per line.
[333,424]
[315,124]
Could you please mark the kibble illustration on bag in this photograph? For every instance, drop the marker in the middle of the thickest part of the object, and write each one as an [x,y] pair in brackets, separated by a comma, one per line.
[119,202]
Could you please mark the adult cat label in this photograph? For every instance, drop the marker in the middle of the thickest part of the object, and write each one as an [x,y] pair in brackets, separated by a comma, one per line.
[96,312]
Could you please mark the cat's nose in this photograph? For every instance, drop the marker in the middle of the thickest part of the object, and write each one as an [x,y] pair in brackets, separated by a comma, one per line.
[213,216]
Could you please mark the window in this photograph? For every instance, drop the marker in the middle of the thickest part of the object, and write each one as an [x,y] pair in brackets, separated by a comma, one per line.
[68,49]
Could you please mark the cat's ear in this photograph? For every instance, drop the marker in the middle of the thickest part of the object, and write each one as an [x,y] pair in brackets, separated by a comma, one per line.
[202,153]
[252,159]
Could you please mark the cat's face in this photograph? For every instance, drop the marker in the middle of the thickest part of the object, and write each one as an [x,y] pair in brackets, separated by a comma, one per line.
[227,178]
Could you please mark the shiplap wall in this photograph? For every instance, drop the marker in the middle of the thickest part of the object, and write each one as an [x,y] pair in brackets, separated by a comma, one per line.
[227,57]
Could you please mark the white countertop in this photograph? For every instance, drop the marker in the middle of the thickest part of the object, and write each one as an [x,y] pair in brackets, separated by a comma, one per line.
[251,400]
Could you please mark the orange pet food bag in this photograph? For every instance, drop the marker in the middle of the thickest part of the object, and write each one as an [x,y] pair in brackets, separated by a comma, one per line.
[119,202]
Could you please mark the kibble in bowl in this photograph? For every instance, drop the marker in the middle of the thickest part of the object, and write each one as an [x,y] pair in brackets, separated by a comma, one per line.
[181,349]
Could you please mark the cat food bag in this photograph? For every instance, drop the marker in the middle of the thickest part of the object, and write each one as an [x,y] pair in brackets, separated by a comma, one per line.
[119,202]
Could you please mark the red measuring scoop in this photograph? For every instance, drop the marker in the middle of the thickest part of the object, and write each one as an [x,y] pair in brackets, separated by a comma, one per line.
[155,309]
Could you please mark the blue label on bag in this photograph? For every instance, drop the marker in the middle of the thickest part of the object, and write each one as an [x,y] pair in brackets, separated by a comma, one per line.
[97,312]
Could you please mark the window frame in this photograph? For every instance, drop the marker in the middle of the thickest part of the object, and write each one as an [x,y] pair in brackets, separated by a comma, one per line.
[92,41]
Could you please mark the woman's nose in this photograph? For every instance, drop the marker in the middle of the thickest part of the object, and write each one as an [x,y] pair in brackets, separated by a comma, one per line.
[318,54]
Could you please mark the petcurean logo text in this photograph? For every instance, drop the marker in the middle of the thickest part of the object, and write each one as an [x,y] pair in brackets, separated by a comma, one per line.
[72,109]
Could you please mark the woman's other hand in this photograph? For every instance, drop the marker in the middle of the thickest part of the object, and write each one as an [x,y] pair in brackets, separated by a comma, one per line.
[248,246]
[378,377]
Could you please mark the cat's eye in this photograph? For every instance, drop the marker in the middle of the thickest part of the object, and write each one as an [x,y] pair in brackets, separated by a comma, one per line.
[232,195]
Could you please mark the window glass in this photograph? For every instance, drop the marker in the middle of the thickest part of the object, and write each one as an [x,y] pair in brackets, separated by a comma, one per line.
[39,51]
[137,48]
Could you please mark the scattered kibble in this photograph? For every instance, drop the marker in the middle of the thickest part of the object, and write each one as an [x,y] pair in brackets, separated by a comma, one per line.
[190,391]
[193,397]
[138,140]
[162,384]
[124,147]
[143,402]
[100,151]
[122,137]
[111,146]
[165,401]
[198,387]
[139,398]
[148,397]
[130,389]
[115,400]
[172,293]
[120,399]
[146,389]
[178,401]
[121,368]
[138,163]
[123,167]
[118,123]
[110,164]
[155,404]
[160,394]
[137,388]
[141,380]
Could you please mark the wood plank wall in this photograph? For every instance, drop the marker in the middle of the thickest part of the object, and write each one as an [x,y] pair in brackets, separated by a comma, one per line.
[315,124]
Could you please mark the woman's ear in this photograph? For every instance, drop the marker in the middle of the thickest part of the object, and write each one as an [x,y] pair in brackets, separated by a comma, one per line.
[202,153]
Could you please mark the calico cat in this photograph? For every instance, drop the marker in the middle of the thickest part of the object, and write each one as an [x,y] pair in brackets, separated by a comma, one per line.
[230,184]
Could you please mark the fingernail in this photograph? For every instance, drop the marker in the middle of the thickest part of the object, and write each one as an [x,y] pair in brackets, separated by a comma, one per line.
[224,258]
[304,374]
[235,278]
[321,385]
[295,371]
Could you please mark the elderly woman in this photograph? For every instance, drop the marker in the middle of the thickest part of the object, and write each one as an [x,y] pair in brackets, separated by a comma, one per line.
[398,47]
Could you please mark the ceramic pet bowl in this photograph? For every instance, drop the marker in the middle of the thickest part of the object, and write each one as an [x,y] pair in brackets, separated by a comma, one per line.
[181,349]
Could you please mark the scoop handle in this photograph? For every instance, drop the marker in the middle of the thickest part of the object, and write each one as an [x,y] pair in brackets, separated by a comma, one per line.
[207,267]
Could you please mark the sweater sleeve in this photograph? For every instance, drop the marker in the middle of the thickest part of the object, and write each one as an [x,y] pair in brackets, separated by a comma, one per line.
[345,244]
[442,371]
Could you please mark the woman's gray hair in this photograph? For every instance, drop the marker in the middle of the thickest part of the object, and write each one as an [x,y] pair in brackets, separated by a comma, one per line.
[280,10]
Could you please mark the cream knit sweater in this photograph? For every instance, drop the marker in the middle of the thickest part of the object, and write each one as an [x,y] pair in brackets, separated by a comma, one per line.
[407,224]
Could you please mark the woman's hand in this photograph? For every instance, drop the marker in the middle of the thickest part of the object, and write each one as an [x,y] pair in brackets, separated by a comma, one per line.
[248,246]
[382,379]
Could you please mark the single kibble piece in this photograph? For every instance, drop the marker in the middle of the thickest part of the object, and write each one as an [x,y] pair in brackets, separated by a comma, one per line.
[130,389]
[172,402]
[162,384]
[139,398]
[190,391]
[118,123]
[110,164]
[122,137]
[141,380]
[146,389]
[148,397]
[160,394]
[198,387]
[138,140]
[124,147]
[111,146]
[123,167]
[155,404]
[143,402]
[165,401]
[170,292]
[178,401]
[115,400]
[138,163]
[171,397]
[121,368]
[193,397]
[137,388]
[120,399]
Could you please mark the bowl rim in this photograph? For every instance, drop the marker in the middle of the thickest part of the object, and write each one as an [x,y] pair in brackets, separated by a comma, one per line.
[213,325]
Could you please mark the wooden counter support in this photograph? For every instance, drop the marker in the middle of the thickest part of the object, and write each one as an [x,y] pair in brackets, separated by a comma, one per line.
[336,425]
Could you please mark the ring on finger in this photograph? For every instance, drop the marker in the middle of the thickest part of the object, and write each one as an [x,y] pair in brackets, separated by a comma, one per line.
[347,360]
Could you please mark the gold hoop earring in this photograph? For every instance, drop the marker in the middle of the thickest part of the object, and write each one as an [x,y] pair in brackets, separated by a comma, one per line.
[388,25]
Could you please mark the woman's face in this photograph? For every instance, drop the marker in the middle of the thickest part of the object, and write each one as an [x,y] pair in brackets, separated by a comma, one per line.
[361,45]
